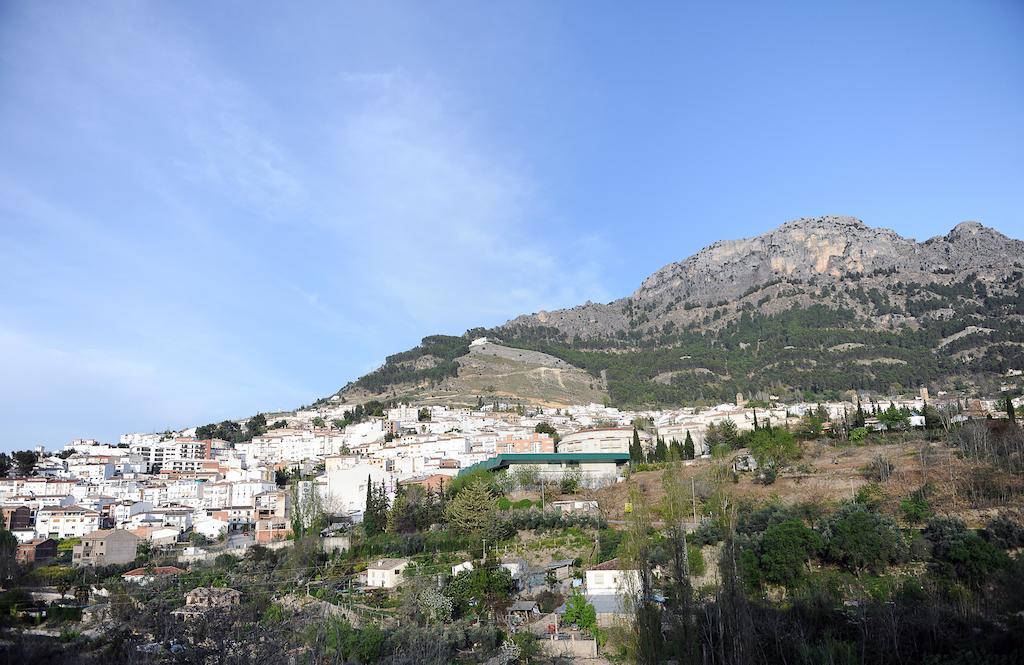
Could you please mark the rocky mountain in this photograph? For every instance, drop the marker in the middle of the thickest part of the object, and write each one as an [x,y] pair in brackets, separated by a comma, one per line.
[784,265]
[818,305]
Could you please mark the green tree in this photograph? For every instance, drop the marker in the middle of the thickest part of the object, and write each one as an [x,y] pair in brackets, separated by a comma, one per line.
[547,428]
[961,553]
[423,415]
[308,515]
[810,425]
[319,422]
[375,517]
[5,464]
[473,511]
[858,417]
[861,540]
[660,451]
[688,450]
[894,419]
[580,612]
[636,451]
[1011,413]
[485,585]
[256,426]
[784,551]
[773,447]
[26,461]
[8,556]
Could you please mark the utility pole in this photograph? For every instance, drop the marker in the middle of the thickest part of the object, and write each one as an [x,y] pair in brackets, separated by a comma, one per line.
[693,493]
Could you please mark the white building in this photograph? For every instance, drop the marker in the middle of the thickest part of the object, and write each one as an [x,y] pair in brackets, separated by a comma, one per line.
[347,479]
[601,440]
[610,578]
[385,573]
[66,522]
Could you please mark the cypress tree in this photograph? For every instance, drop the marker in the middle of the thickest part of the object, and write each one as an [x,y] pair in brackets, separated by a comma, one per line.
[676,451]
[660,451]
[636,451]
[369,514]
[1010,412]
[688,449]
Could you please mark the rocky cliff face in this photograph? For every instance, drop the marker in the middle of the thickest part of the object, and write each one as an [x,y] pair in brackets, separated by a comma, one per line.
[790,266]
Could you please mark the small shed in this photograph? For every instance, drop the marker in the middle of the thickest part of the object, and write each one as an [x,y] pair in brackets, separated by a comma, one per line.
[524,611]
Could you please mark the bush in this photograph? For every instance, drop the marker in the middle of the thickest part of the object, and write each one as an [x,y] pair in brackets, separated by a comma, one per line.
[784,551]
[870,496]
[756,521]
[549,601]
[768,476]
[708,533]
[1004,533]
[878,470]
[915,507]
[464,480]
[961,553]
[696,560]
[860,539]
[534,518]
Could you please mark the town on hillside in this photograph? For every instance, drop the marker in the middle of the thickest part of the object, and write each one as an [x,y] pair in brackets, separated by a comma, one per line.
[557,527]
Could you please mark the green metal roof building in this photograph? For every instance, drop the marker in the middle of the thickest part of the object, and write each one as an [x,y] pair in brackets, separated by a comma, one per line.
[561,460]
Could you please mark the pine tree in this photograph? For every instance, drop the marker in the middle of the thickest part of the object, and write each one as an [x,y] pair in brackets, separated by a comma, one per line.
[688,448]
[472,511]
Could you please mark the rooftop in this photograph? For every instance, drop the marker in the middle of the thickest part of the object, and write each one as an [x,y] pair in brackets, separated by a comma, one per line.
[388,564]
[503,461]
[158,570]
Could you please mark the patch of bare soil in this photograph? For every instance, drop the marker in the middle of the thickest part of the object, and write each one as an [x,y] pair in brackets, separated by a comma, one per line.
[827,474]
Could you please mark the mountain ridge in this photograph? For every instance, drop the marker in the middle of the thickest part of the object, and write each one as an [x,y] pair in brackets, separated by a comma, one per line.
[810,285]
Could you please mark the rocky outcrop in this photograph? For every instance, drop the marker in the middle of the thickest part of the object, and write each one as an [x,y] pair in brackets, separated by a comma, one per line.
[788,266]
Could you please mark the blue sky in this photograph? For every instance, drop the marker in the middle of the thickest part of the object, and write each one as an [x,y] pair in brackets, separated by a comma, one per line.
[210,209]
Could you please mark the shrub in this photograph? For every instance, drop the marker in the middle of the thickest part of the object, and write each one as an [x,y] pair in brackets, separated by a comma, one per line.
[961,553]
[860,539]
[915,507]
[756,521]
[870,496]
[1004,532]
[579,612]
[696,560]
[878,470]
[708,533]
[784,551]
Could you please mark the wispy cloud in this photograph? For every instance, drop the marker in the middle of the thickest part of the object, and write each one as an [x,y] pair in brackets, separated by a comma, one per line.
[179,246]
